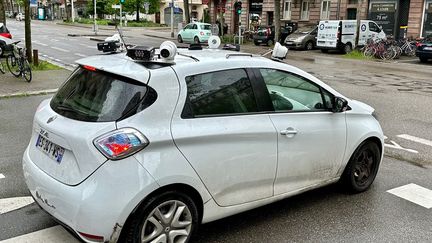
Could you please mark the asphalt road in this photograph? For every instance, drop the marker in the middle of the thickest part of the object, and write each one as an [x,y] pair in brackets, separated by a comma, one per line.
[402,100]
[54,43]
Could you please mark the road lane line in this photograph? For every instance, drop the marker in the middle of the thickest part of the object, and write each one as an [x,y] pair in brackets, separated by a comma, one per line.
[59,49]
[394,145]
[414,193]
[14,203]
[42,44]
[49,235]
[415,139]
[80,55]
[2,176]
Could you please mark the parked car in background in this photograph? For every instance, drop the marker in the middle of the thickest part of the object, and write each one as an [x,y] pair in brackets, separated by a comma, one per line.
[424,49]
[196,32]
[302,38]
[20,17]
[4,31]
[266,35]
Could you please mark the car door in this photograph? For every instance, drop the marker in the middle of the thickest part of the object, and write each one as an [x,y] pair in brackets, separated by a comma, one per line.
[230,145]
[374,31]
[186,35]
[311,138]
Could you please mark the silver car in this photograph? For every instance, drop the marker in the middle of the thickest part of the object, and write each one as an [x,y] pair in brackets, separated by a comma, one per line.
[302,38]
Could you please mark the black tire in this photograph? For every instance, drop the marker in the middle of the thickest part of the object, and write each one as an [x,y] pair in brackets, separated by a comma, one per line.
[179,39]
[362,168]
[256,43]
[324,50]
[12,64]
[270,42]
[347,48]
[309,46]
[133,229]
[196,40]
[423,59]
[2,68]
[27,72]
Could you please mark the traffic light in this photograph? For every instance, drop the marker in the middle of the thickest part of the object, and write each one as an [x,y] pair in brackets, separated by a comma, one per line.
[238,7]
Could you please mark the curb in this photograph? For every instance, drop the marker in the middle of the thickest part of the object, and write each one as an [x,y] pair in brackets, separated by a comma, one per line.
[84,35]
[97,39]
[160,37]
[28,93]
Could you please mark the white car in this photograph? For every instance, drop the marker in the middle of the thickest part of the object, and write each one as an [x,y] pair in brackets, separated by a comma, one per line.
[137,151]
[195,32]
[20,17]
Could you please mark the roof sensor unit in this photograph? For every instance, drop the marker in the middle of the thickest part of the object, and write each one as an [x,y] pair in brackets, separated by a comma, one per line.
[141,53]
[214,42]
[168,50]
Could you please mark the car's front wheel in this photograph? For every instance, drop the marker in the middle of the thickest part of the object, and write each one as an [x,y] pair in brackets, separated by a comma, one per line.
[423,59]
[179,39]
[196,40]
[362,168]
[168,217]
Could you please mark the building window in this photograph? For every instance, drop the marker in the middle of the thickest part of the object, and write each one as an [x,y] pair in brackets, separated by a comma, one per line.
[304,11]
[325,9]
[287,9]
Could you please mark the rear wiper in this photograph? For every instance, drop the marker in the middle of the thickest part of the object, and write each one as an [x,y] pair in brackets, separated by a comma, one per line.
[70,109]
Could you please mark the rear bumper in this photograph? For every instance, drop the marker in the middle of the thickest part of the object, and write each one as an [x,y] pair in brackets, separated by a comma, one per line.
[100,204]
[293,45]
[424,54]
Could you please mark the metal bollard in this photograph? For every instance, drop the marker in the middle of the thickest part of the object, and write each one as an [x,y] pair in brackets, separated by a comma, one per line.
[35,57]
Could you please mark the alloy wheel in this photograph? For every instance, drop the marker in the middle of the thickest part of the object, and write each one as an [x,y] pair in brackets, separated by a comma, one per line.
[170,221]
[363,167]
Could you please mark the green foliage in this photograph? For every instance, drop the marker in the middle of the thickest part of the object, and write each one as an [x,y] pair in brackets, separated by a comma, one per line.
[102,7]
[44,66]
[206,17]
[356,54]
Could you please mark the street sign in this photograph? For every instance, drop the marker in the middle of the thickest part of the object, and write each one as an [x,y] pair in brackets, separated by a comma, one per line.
[115,6]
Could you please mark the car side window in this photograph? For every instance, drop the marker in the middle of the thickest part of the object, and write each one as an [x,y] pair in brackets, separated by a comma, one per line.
[187,27]
[291,92]
[373,27]
[194,27]
[220,93]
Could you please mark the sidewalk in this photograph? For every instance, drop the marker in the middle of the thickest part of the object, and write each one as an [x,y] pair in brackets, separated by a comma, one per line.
[43,82]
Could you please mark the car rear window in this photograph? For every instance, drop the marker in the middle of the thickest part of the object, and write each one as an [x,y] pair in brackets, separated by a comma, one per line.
[205,27]
[97,96]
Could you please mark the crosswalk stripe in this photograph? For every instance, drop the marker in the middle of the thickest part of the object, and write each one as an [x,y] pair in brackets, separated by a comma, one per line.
[415,139]
[13,203]
[414,193]
[50,235]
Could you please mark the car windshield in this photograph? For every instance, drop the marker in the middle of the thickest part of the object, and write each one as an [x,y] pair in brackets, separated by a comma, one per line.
[97,96]
[304,30]
[205,27]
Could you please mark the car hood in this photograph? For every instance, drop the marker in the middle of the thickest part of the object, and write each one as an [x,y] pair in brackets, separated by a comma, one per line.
[360,107]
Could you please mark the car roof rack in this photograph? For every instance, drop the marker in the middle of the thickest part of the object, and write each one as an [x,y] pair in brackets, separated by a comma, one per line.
[238,55]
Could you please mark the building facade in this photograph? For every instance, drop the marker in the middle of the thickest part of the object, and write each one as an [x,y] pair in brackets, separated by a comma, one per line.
[400,18]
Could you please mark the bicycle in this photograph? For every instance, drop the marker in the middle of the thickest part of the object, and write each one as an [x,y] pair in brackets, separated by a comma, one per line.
[2,68]
[18,64]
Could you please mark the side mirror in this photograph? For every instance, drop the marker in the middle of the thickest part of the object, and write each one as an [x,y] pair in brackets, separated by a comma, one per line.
[339,104]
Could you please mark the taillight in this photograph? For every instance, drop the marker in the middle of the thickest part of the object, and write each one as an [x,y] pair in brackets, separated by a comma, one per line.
[7,35]
[90,68]
[418,44]
[121,143]
[201,33]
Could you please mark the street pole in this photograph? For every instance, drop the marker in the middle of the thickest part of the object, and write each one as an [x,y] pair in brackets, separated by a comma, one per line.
[72,12]
[172,18]
[94,18]
[121,17]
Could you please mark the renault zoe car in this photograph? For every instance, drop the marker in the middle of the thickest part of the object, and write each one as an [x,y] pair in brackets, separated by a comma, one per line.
[144,147]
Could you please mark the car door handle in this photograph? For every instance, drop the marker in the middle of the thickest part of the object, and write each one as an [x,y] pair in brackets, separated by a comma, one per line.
[288,131]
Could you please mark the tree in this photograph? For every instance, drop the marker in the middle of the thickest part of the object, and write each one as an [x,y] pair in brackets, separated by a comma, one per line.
[277,18]
[27,28]
[186,11]
[2,12]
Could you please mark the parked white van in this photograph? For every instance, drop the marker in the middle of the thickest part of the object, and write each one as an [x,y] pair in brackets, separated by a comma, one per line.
[341,34]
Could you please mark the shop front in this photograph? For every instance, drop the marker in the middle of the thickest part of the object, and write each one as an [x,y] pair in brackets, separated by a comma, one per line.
[427,19]
[391,15]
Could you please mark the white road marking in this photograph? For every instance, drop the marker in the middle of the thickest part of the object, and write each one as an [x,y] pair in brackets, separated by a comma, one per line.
[415,139]
[55,39]
[59,49]
[50,235]
[80,55]
[42,44]
[414,193]
[92,47]
[2,176]
[13,203]
[394,145]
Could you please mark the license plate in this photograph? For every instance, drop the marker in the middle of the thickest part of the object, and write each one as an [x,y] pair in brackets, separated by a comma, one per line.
[289,42]
[427,48]
[259,40]
[51,149]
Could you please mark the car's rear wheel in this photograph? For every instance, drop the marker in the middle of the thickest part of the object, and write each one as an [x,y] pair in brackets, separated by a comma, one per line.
[179,39]
[347,48]
[168,217]
[256,43]
[196,40]
[362,168]
[423,59]
[309,46]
